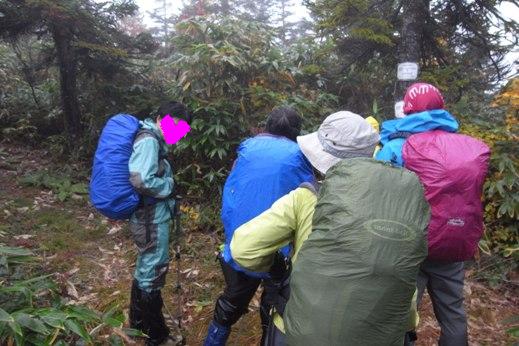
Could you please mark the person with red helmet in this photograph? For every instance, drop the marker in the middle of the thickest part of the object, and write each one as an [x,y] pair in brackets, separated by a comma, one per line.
[452,168]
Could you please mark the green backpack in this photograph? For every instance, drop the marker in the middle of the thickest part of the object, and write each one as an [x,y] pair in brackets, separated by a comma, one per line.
[355,276]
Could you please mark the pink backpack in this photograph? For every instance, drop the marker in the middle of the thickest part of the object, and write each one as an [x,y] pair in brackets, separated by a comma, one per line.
[452,167]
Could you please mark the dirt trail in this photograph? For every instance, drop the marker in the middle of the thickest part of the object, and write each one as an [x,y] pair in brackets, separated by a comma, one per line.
[95,259]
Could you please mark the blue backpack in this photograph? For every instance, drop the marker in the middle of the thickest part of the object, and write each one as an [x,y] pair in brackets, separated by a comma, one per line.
[110,190]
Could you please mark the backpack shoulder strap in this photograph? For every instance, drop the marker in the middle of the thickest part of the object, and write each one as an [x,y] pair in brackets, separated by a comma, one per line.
[400,134]
[310,186]
[142,133]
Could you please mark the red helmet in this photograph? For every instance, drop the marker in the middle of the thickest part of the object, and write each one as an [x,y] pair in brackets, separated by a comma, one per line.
[421,97]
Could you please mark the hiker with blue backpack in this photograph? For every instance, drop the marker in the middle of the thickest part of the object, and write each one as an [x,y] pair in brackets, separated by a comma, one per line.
[268,166]
[132,179]
[452,167]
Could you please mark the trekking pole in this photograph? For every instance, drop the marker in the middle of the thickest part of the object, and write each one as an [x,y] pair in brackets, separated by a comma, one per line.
[178,287]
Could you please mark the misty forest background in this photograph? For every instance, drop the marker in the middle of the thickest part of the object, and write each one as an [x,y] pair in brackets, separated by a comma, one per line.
[66,66]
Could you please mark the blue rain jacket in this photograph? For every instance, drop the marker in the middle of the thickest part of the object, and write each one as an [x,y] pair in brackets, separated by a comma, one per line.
[438,119]
[267,168]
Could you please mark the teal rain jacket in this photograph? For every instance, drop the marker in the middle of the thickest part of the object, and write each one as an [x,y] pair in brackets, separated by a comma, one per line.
[151,175]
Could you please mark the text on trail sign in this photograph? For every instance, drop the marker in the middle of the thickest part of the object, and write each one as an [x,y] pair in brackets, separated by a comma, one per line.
[407,71]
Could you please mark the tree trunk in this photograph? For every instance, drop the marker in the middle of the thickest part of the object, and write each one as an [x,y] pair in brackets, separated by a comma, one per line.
[409,49]
[68,82]
[226,7]
[27,70]
[283,23]
[165,27]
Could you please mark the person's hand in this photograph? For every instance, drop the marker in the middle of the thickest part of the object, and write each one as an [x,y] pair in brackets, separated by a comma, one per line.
[279,267]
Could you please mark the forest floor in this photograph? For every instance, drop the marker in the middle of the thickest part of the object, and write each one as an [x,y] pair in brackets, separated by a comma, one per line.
[96,259]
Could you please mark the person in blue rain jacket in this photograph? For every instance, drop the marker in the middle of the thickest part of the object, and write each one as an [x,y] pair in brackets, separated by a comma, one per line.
[268,166]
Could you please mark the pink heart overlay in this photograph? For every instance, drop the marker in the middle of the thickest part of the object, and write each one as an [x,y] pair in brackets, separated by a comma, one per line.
[173,132]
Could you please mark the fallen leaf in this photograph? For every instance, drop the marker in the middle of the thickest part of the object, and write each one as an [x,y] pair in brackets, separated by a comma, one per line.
[84,299]
[71,290]
[105,251]
[114,229]
[72,272]
[192,273]
[23,236]
[115,293]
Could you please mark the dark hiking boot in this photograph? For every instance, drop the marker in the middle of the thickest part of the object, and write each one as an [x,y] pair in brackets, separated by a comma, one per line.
[136,307]
[155,325]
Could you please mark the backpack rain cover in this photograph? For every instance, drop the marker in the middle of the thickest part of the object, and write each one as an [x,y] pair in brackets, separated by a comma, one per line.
[355,275]
[452,167]
[111,192]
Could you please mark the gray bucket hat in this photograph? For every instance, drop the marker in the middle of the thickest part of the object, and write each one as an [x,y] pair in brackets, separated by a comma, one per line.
[342,135]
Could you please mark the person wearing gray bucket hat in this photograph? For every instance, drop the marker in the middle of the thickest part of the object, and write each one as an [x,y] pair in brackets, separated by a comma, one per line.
[342,135]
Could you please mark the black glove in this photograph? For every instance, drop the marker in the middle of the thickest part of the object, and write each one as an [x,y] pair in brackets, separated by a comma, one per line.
[279,268]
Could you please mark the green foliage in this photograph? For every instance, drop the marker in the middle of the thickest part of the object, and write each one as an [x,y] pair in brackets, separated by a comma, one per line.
[62,186]
[498,128]
[231,74]
[505,189]
[513,329]
[20,129]
[33,312]
[494,269]
[29,96]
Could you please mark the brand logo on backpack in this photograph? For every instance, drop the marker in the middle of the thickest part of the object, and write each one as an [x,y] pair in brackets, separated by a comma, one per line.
[457,222]
[391,230]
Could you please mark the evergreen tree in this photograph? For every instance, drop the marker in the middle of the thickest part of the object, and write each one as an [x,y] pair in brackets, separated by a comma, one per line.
[86,37]
[282,12]
[272,13]
[459,44]
[164,19]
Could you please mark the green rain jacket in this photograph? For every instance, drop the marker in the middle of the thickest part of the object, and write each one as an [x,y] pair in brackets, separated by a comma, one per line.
[288,221]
